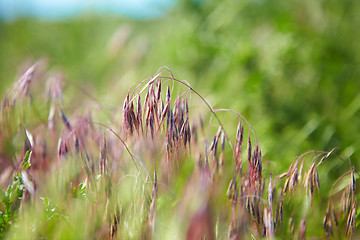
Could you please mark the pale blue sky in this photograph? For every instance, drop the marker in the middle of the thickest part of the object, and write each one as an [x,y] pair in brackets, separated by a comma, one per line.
[57,9]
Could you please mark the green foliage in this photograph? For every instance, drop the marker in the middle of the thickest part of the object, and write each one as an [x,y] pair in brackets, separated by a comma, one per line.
[11,198]
[52,210]
[25,164]
[80,191]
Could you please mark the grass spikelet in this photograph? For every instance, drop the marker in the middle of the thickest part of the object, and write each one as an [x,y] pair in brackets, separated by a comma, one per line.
[327,224]
[238,147]
[62,148]
[249,151]
[270,192]
[139,115]
[115,224]
[30,139]
[54,92]
[326,156]
[350,223]
[279,213]
[291,225]
[158,91]
[65,120]
[353,182]
[125,114]
[302,229]
[222,153]
[103,157]
[22,86]
[268,223]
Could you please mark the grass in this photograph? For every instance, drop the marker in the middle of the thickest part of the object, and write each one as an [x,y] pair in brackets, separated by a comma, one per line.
[291,68]
[163,165]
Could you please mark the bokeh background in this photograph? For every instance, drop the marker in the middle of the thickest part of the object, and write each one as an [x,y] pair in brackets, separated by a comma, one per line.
[291,68]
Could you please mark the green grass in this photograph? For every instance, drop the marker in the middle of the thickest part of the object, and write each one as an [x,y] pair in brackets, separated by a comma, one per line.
[157,170]
[290,68]
[292,73]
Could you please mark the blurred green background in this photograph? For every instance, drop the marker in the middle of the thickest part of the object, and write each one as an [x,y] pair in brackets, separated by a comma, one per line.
[290,67]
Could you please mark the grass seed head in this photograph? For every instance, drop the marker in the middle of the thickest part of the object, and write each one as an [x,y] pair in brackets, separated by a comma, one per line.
[302,228]
[292,225]
[62,148]
[249,151]
[350,223]
[65,120]
[103,156]
[353,182]
[158,92]
[270,192]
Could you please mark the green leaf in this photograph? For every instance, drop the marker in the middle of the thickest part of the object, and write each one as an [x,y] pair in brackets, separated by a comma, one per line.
[45,201]
[2,195]
[26,162]
[80,191]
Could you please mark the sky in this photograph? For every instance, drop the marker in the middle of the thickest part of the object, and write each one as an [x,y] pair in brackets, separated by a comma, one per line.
[59,9]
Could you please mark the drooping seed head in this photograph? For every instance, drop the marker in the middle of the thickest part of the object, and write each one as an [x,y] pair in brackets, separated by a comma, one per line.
[270,191]
[353,182]
[62,147]
[158,92]
[65,120]
[249,150]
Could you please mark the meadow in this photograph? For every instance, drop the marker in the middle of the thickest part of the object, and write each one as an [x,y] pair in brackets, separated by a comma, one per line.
[260,140]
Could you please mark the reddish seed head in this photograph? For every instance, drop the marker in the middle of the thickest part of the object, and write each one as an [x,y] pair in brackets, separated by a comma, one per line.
[249,150]
[189,134]
[62,148]
[212,145]
[155,179]
[353,182]
[302,229]
[270,189]
[168,95]
[158,92]
[65,120]
[152,129]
